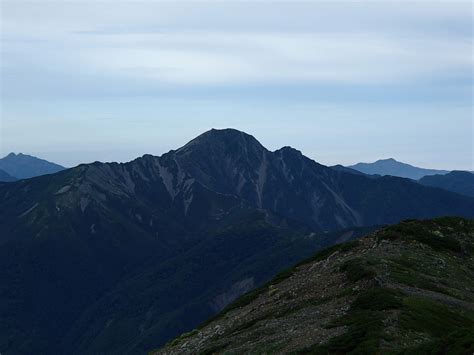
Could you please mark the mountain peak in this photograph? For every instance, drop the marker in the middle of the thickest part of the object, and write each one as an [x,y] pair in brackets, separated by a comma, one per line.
[13,155]
[289,151]
[388,160]
[23,166]
[228,138]
[227,134]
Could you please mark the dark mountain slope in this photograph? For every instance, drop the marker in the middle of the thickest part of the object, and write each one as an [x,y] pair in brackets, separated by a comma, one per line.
[182,291]
[405,289]
[5,177]
[67,238]
[388,200]
[292,185]
[395,168]
[118,258]
[461,182]
[128,296]
[74,243]
[212,175]
[22,166]
[342,168]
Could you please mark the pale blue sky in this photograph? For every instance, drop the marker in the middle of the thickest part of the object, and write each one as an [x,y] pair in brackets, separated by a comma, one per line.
[343,81]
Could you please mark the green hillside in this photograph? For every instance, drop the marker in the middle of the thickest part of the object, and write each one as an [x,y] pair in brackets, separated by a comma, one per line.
[407,289]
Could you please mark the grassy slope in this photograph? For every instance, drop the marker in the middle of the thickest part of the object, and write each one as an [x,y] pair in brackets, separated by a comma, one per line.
[406,289]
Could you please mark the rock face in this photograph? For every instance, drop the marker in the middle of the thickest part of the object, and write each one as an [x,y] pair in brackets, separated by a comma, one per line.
[395,168]
[461,182]
[123,257]
[405,289]
[22,166]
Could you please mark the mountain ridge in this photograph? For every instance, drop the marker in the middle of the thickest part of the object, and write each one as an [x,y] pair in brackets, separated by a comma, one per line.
[461,182]
[393,167]
[23,166]
[172,234]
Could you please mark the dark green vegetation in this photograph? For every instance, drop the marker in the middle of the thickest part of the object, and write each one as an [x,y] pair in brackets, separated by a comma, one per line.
[357,269]
[371,296]
[120,258]
[21,166]
[461,182]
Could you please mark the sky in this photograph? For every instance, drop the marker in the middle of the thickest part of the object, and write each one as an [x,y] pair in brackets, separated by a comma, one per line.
[342,81]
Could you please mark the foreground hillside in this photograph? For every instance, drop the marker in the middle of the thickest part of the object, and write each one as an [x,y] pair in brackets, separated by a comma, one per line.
[408,288]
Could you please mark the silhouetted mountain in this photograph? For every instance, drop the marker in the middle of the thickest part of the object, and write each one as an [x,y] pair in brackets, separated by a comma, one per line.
[407,289]
[23,166]
[344,169]
[106,258]
[395,168]
[461,182]
[5,177]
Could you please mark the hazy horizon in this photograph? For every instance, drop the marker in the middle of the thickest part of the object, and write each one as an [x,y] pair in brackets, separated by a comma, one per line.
[177,147]
[344,82]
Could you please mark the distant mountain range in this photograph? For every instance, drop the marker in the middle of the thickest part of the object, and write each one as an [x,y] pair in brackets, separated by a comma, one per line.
[461,182]
[21,166]
[120,258]
[398,291]
[395,168]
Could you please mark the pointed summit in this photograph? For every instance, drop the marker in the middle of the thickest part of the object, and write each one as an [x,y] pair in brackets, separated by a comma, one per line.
[228,137]
[228,145]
